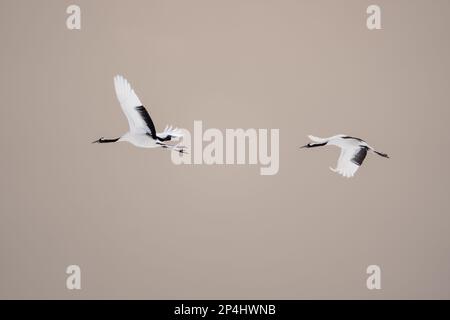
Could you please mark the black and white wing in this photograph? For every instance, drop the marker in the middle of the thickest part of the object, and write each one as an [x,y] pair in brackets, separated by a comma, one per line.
[350,160]
[138,118]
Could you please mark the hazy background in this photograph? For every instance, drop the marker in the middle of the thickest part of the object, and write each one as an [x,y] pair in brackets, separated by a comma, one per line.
[141,227]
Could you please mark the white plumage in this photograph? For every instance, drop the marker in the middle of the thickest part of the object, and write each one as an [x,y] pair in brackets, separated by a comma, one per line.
[142,132]
[353,152]
[128,102]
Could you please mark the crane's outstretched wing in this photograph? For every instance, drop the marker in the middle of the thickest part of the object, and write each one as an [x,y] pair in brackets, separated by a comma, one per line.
[350,160]
[138,118]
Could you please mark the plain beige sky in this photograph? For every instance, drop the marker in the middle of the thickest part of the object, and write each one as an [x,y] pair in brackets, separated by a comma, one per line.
[141,227]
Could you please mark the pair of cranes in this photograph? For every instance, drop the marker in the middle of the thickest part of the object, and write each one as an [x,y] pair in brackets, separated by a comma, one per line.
[142,133]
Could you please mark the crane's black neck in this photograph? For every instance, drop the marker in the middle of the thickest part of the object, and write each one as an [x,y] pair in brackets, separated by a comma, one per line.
[102,140]
[313,145]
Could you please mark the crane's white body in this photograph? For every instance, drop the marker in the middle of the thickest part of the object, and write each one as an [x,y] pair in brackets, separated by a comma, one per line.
[143,140]
[139,140]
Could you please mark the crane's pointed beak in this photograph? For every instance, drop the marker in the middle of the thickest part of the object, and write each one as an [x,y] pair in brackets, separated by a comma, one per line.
[305,146]
[98,141]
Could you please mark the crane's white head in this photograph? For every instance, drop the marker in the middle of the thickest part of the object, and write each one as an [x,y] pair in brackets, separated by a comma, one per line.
[319,142]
